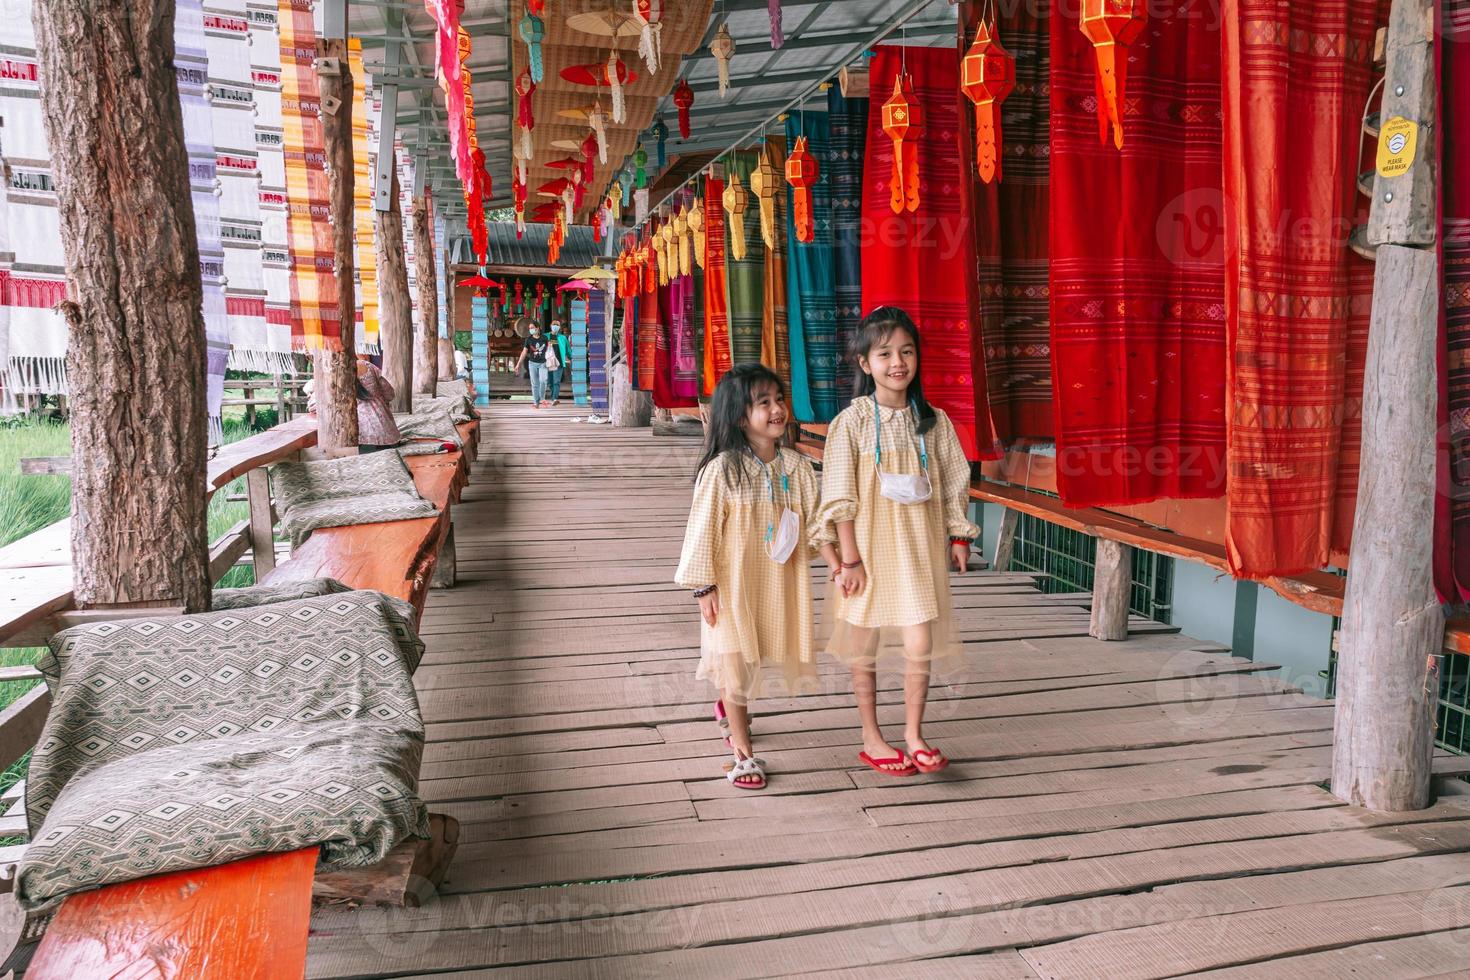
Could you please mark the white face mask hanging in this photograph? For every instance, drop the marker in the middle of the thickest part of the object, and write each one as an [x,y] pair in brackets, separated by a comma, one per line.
[901,488]
[784,534]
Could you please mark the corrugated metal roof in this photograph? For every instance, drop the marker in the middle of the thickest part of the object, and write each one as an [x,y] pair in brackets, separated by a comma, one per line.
[577,252]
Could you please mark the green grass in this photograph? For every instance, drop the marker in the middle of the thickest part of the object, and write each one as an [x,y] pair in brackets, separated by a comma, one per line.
[29,503]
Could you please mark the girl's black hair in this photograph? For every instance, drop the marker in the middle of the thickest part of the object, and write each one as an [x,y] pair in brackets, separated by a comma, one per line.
[872,331]
[734,394]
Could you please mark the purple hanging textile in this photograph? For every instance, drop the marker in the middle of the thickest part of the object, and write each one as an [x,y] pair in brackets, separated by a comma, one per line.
[777,38]
[685,365]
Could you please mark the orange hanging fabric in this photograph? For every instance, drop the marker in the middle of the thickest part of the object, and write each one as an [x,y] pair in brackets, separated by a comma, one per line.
[1112,25]
[802,173]
[987,76]
[903,122]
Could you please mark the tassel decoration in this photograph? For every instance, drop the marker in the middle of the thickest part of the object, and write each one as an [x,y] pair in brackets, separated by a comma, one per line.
[640,160]
[1112,25]
[615,83]
[736,201]
[774,8]
[987,76]
[615,200]
[903,122]
[802,174]
[640,205]
[683,101]
[723,49]
[597,119]
[681,235]
[764,184]
[661,135]
[649,15]
[696,227]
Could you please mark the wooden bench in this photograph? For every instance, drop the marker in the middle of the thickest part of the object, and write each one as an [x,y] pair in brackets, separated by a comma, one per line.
[250,917]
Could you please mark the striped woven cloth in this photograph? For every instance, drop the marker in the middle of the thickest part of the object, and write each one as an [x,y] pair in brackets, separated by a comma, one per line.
[366,266]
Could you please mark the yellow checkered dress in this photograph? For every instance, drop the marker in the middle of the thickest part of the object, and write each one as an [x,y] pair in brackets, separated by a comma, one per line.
[765,617]
[904,547]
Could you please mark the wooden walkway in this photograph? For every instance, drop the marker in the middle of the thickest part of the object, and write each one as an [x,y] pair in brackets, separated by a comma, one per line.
[1147,808]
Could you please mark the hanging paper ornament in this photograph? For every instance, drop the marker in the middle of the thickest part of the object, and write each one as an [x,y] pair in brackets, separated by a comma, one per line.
[613,73]
[640,205]
[987,76]
[525,117]
[663,239]
[696,227]
[649,14]
[533,31]
[681,236]
[640,160]
[736,202]
[773,7]
[568,199]
[903,121]
[723,48]
[540,294]
[1112,25]
[597,119]
[802,173]
[589,154]
[537,7]
[661,134]
[520,227]
[626,182]
[764,184]
[683,100]
[615,200]
[520,300]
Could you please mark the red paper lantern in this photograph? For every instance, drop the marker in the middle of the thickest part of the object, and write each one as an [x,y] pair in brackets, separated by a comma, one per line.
[683,100]
[903,122]
[987,76]
[802,173]
[1112,25]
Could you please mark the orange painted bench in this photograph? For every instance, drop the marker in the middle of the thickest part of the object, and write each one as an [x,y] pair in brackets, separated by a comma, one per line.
[250,918]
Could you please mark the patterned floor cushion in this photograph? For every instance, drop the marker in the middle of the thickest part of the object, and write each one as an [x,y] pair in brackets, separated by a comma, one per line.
[186,741]
[432,423]
[341,492]
[458,388]
[459,407]
[261,595]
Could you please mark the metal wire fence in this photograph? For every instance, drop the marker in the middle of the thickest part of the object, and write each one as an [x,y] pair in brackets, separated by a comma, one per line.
[1065,560]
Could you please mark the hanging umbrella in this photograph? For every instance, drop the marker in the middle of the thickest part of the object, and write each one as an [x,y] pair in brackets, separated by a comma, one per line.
[566,163]
[554,187]
[480,283]
[596,75]
[592,274]
[576,285]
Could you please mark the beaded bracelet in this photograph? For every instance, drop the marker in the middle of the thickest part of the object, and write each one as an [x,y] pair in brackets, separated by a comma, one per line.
[961,540]
[852,564]
[701,593]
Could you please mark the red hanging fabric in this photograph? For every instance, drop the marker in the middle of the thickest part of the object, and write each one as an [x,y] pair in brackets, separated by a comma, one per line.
[1137,290]
[647,337]
[1297,298]
[1452,552]
[1011,224]
[923,261]
[716,302]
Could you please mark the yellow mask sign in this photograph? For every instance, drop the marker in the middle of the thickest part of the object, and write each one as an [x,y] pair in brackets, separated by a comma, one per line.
[1397,141]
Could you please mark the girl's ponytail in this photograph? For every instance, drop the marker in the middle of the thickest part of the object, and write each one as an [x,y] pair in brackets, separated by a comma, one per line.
[872,331]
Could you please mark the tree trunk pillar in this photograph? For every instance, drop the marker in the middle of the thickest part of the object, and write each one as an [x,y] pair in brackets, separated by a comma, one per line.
[1112,585]
[134,307]
[426,339]
[336,370]
[395,305]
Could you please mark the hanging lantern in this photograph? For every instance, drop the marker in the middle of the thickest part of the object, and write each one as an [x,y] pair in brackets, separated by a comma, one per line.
[736,202]
[613,71]
[541,286]
[696,227]
[1112,25]
[661,134]
[520,230]
[903,121]
[640,205]
[667,252]
[987,76]
[649,14]
[681,235]
[597,119]
[626,181]
[723,48]
[640,160]
[537,7]
[802,173]
[764,184]
[650,266]
[533,31]
[520,297]
[525,88]
[589,154]
[683,100]
[615,200]
[773,7]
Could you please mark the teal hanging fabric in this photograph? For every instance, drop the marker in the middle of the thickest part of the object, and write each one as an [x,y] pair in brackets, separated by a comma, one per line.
[811,299]
[848,120]
[579,351]
[480,347]
[746,278]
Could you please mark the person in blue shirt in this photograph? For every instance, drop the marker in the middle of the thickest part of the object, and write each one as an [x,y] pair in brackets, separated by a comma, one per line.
[563,353]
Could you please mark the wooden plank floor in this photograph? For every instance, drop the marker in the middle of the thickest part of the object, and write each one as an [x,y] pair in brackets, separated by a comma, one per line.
[1147,808]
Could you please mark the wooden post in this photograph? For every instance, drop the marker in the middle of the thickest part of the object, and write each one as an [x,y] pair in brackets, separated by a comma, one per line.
[336,370]
[1112,586]
[426,339]
[1392,624]
[249,407]
[134,302]
[446,345]
[262,522]
[1005,541]
[282,414]
[395,306]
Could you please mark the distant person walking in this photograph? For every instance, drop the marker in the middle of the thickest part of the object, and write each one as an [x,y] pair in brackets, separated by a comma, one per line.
[534,351]
[564,351]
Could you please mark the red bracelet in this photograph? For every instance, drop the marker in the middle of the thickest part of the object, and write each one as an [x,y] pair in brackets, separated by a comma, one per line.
[961,540]
[853,564]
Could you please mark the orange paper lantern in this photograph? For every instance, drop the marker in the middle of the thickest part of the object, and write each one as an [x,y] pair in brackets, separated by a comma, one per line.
[987,76]
[903,121]
[802,173]
[1112,25]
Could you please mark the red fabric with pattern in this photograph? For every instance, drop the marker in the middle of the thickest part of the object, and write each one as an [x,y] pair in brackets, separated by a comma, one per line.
[716,301]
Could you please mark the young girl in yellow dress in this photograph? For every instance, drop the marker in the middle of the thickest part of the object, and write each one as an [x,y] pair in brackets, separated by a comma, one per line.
[747,555]
[895,485]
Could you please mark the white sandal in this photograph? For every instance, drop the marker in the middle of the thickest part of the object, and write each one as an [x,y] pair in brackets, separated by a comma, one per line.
[749,766]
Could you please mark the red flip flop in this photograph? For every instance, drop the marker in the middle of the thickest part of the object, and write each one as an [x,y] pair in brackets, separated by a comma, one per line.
[877,764]
[930,766]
